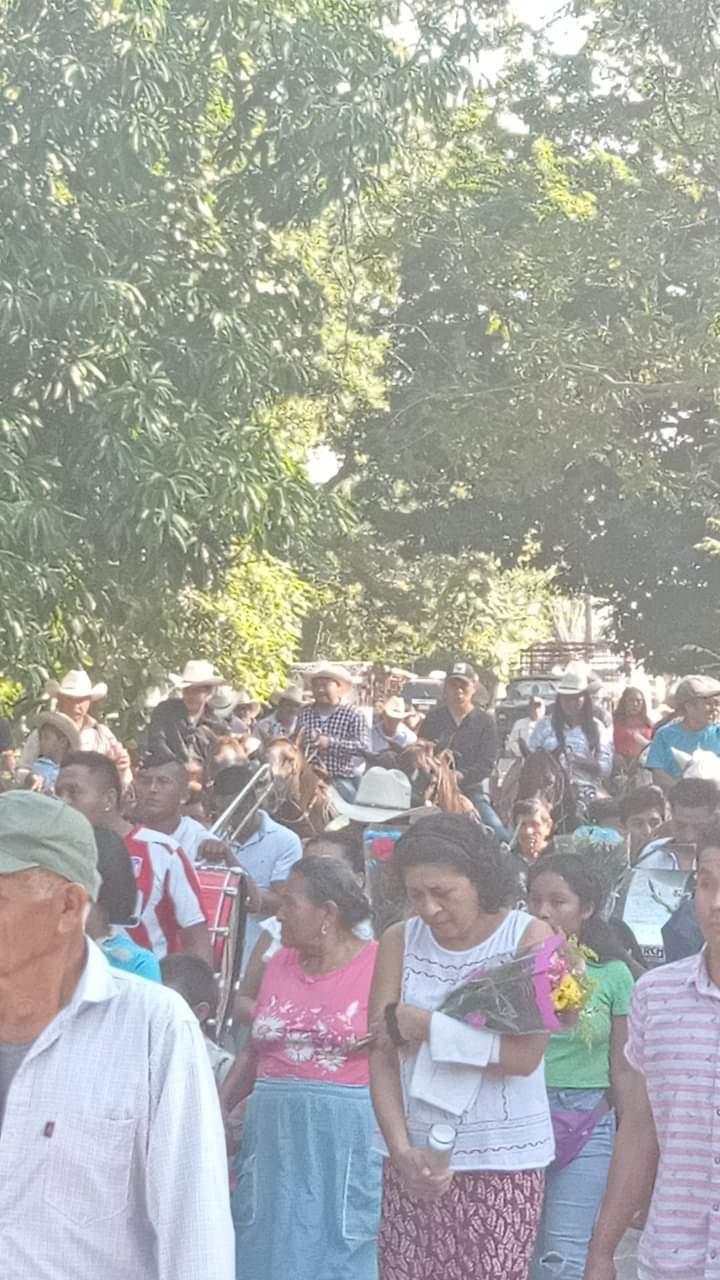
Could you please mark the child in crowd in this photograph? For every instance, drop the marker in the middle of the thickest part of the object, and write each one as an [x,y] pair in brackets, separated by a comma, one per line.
[58,735]
[194,980]
[115,907]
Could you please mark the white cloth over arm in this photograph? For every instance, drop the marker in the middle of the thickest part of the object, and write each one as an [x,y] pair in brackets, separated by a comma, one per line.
[446,1068]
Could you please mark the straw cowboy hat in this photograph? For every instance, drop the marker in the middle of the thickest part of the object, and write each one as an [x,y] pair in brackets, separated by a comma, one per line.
[290,694]
[382,796]
[197,672]
[573,682]
[63,724]
[333,671]
[395,708]
[76,684]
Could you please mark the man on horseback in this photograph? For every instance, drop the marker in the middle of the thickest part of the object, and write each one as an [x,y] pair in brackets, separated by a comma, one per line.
[334,733]
[471,735]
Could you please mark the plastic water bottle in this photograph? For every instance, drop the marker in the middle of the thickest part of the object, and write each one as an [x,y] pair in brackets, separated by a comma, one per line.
[440,1146]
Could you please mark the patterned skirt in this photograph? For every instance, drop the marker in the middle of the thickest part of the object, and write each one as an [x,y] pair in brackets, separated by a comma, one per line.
[483,1228]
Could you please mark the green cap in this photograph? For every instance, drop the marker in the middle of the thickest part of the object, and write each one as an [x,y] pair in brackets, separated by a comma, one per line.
[39,831]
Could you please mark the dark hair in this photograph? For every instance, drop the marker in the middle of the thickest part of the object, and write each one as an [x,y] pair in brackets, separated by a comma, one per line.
[696,793]
[452,840]
[601,812]
[330,881]
[620,714]
[193,978]
[531,808]
[640,801]
[588,884]
[709,838]
[230,780]
[99,765]
[346,843]
[588,723]
[118,891]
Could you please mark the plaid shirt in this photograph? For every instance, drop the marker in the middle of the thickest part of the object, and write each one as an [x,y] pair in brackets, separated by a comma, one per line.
[349,735]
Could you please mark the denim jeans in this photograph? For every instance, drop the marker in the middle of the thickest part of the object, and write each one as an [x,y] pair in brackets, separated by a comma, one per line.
[487,814]
[346,787]
[573,1195]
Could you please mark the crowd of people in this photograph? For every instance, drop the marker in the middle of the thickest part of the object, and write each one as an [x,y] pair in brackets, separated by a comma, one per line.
[331,1123]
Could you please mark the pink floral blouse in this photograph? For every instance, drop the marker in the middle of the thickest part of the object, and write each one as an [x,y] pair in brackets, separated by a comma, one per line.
[306,1023]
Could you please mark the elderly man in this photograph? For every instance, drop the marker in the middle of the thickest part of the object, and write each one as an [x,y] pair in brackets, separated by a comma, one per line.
[471,734]
[112,1157]
[333,731]
[695,701]
[73,697]
[186,726]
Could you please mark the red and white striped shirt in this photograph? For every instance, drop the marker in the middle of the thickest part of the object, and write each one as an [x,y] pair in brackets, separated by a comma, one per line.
[674,1040]
[168,890]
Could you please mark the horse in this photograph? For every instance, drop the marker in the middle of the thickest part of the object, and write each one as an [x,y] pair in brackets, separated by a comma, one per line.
[541,776]
[302,795]
[433,777]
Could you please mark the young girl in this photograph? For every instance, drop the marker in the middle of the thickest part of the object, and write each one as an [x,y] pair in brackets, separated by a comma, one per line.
[585,1070]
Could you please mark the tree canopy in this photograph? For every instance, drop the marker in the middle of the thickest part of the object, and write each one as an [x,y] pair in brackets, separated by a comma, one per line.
[233,229]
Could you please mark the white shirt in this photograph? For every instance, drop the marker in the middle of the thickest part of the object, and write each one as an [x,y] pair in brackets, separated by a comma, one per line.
[576,744]
[506,1125]
[658,855]
[189,834]
[520,732]
[112,1154]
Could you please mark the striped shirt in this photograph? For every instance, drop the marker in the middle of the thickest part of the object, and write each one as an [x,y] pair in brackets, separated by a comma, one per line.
[674,1040]
[168,890]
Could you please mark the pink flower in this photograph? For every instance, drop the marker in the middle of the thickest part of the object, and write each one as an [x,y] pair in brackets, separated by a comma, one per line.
[476,1019]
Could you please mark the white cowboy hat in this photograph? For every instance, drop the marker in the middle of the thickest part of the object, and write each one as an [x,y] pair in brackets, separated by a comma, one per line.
[76,684]
[573,682]
[290,694]
[383,794]
[197,672]
[63,724]
[333,671]
[395,708]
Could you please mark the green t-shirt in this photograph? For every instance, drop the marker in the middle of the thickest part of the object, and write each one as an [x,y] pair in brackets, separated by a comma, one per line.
[580,1059]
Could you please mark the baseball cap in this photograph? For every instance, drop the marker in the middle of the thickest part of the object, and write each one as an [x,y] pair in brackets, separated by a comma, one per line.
[40,831]
[462,671]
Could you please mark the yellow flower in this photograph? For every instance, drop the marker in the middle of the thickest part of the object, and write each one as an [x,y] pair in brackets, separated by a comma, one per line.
[568,994]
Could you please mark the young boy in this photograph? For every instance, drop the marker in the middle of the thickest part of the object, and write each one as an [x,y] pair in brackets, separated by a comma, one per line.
[194,980]
[58,735]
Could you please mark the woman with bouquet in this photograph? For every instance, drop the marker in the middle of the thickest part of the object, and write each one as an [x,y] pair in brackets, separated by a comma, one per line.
[478,1216]
[585,1069]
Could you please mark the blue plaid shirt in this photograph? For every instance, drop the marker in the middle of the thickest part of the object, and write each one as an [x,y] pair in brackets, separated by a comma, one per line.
[349,735]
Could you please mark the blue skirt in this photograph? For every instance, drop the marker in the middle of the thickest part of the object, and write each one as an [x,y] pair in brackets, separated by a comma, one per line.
[307,1200]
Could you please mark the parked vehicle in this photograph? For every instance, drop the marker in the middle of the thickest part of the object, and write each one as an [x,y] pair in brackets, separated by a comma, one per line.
[519,692]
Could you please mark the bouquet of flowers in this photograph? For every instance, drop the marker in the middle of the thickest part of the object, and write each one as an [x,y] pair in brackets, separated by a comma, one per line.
[545,988]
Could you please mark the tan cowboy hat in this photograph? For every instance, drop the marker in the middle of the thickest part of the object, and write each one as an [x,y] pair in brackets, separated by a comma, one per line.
[197,672]
[290,694]
[63,724]
[332,671]
[395,708]
[76,684]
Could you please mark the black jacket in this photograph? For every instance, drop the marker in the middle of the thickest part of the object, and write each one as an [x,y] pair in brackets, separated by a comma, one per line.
[474,742]
[188,741]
